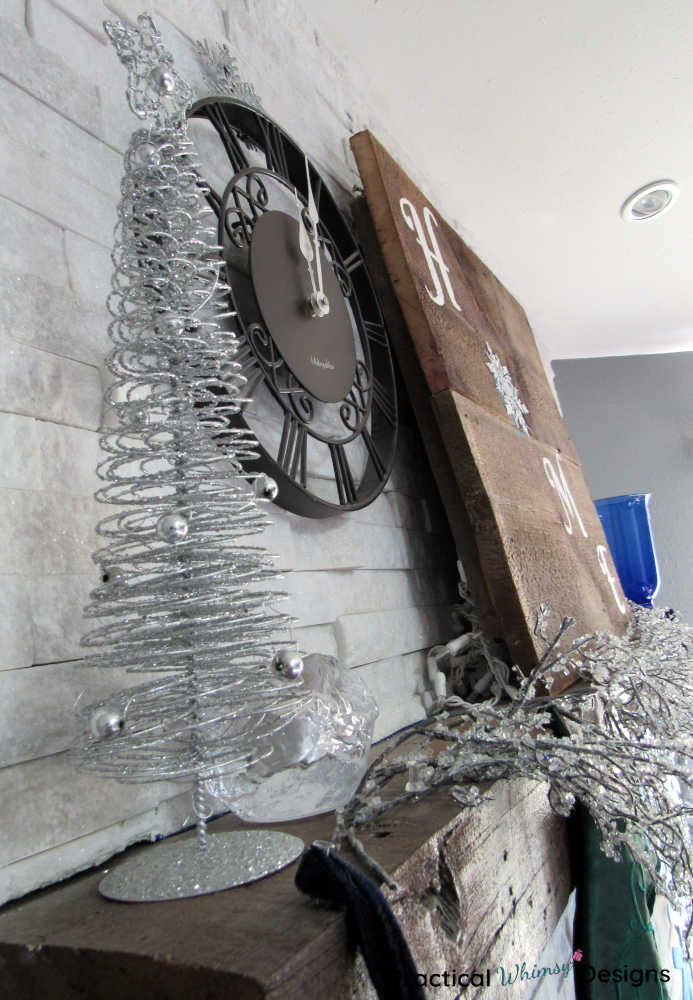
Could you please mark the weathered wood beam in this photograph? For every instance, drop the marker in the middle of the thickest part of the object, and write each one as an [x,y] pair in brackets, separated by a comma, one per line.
[482,887]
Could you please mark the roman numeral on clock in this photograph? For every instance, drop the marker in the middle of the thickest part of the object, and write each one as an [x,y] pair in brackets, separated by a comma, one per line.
[292,449]
[275,150]
[342,474]
[353,261]
[376,333]
[316,184]
[234,149]
[378,464]
[384,401]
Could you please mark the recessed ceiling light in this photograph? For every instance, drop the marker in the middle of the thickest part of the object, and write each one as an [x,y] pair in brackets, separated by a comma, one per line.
[650,200]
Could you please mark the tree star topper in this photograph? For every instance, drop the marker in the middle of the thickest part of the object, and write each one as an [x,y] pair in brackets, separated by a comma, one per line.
[155,90]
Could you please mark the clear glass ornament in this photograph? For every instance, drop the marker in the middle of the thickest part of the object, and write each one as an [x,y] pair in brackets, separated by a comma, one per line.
[317,761]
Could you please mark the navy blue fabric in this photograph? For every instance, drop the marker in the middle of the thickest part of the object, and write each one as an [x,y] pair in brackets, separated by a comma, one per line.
[371,923]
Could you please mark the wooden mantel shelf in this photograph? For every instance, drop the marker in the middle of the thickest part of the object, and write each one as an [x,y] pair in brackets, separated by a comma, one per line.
[483,886]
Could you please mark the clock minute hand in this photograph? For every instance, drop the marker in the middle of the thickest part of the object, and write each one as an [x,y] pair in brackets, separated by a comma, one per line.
[320,303]
[315,219]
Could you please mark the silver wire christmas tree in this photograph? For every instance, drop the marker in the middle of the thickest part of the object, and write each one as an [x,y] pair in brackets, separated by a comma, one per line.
[182,598]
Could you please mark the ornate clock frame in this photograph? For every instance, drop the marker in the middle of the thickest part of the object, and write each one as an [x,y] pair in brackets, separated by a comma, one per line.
[329,378]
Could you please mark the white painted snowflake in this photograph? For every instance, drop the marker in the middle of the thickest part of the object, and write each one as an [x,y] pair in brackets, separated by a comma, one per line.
[507,391]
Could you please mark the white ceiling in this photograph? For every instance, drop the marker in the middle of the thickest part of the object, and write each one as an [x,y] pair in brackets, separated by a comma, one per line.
[532,122]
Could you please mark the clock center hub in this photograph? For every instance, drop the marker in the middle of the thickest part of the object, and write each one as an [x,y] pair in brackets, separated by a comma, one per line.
[319,304]
[316,340]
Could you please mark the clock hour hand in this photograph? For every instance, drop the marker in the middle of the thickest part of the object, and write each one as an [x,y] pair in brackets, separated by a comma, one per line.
[304,244]
[319,301]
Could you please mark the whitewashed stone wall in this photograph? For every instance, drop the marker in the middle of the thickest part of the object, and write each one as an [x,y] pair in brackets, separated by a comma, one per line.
[373,587]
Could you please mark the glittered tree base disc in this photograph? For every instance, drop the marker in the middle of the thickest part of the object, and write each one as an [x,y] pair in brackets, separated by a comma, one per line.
[177,869]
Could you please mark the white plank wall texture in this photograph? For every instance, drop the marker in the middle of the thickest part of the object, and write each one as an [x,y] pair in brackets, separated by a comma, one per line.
[373,588]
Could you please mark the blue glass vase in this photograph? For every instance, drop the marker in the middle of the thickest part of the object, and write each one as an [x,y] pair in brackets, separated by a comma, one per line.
[626,524]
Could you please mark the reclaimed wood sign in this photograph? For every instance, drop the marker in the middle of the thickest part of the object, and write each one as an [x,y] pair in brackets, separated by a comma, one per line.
[536,536]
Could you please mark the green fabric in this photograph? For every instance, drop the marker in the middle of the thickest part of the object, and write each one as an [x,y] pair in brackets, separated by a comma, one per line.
[612,924]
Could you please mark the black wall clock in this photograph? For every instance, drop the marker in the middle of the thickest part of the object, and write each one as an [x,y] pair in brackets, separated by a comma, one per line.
[321,385]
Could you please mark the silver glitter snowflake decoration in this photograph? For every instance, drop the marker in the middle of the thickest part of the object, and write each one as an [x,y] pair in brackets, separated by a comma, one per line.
[155,90]
[221,72]
[507,391]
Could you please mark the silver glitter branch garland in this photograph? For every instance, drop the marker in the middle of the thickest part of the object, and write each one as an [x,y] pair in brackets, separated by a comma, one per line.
[182,599]
[626,751]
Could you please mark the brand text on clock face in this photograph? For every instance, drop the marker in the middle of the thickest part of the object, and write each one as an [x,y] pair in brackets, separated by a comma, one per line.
[320,363]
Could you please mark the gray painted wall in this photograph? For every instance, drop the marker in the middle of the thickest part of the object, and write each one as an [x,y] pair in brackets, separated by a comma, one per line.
[631,419]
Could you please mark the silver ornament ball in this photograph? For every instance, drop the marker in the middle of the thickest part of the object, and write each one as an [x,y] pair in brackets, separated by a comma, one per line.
[288,663]
[105,722]
[172,527]
[266,488]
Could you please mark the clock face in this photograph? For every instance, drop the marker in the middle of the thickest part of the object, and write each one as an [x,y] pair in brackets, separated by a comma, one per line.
[313,347]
